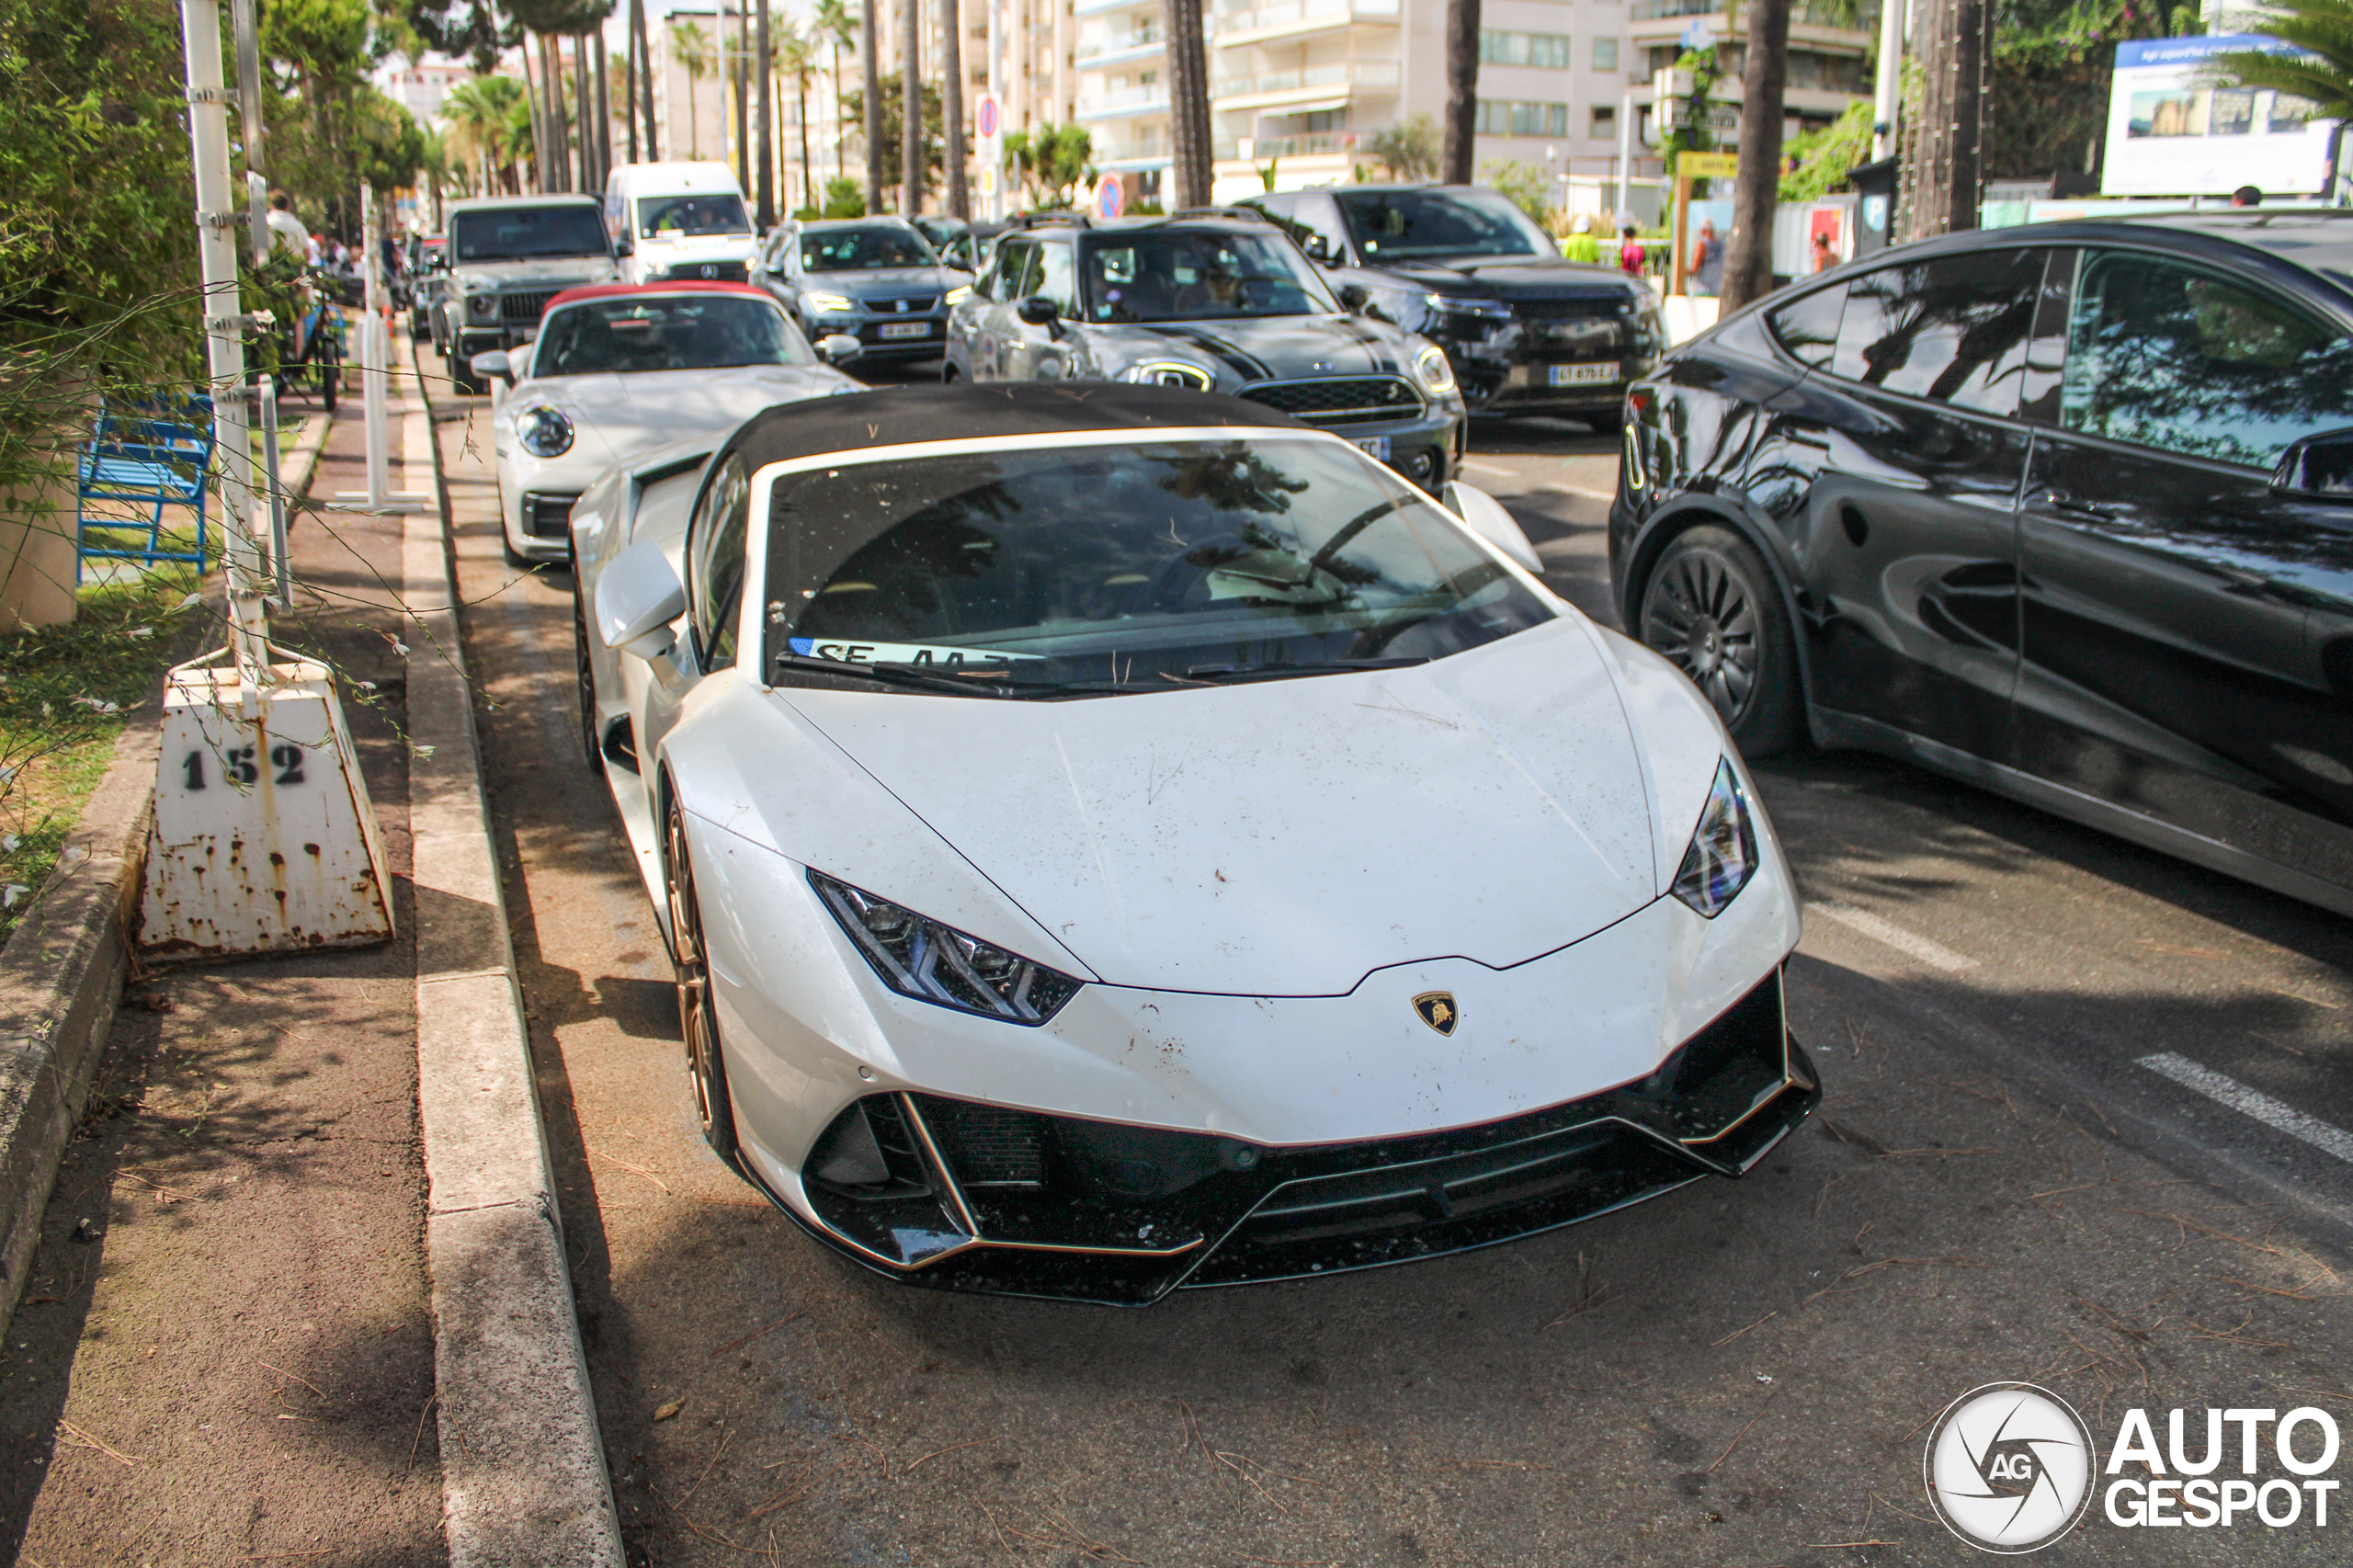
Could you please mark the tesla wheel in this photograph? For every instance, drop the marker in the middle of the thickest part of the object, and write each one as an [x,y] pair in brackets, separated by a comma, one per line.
[706,1068]
[584,680]
[1711,608]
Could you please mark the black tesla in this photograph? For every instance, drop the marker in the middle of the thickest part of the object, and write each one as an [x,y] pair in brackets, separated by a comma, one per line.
[2065,510]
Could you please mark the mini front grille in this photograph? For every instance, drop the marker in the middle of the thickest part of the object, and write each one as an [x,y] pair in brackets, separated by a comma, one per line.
[548,517]
[524,307]
[1331,402]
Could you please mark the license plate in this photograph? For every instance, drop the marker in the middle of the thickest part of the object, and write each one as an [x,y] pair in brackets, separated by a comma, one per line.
[896,329]
[1582,375]
[1376,446]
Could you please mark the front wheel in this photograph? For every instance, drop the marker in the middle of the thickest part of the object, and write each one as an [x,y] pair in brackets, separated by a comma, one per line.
[1712,610]
[706,1066]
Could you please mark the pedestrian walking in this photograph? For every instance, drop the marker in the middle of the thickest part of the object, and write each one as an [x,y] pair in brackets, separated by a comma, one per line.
[1581,245]
[1707,271]
[1632,257]
[1825,256]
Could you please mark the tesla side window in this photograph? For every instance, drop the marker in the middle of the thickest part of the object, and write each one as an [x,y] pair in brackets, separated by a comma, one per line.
[1099,569]
[2165,355]
[1808,328]
[1954,329]
[717,566]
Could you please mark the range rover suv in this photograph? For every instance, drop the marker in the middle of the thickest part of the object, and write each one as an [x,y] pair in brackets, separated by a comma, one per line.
[508,256]
[1526,331]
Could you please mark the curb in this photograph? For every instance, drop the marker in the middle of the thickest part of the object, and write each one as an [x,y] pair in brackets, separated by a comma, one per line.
[522,1461]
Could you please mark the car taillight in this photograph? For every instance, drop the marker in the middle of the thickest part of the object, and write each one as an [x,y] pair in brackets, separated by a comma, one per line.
[1638,403]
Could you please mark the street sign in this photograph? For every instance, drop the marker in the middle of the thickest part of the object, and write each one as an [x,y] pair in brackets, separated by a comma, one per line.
[1708,165]
[1110,196]
[988,118]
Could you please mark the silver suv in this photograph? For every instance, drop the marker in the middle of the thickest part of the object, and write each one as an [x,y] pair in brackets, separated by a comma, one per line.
[507,257]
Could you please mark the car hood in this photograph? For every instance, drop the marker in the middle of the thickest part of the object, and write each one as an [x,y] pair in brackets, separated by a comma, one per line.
[1506,275]
[884,280]
[1261,348]
[1290,836]
[618,416]
[543,271]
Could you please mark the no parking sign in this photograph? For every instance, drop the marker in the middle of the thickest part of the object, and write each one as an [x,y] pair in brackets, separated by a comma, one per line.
[988,124]
[1110,196]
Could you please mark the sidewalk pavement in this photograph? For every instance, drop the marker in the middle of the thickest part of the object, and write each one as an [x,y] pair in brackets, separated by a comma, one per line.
[224,1351]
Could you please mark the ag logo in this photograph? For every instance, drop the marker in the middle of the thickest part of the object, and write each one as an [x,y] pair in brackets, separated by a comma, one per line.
[1438,1010]
[2009,1468]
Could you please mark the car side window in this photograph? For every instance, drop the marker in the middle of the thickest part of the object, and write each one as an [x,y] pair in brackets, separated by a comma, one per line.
[1318,217]
[1058,279]
[2164,353]
[1020,275]
[1954,328]
[1808,328]
[715,562]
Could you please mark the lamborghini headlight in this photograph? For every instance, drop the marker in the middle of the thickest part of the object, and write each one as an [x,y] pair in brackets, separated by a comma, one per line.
[544,431]
[936,963]
[1169,373]
[1722,856]
[1438,376]
[828,304]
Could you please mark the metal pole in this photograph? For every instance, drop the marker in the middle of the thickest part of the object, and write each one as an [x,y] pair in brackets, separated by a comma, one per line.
[996,91]
[371,361]
[1891,77]
[1626,111]
[218,220]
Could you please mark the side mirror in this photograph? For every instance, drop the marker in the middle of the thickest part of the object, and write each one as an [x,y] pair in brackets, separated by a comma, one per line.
[1038,311]
[2318,467]
[625,246]
[492,362]
[436,261]
[637,595]
[1356,296]
[1318,248]
[1491,522]
[838,348]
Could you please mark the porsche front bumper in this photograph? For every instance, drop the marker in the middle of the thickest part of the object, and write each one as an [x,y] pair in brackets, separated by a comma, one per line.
[961,1195]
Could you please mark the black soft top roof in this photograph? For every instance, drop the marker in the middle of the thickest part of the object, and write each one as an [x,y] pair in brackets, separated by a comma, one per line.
[896,417]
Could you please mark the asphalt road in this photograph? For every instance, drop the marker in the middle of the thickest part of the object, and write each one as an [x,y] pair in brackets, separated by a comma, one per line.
[1739,1373]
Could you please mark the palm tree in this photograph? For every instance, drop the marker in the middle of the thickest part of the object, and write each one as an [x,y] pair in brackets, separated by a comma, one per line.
[2321,75]
[764,118]
[1748,260]
[1188,103]
[836,26]
[1462,89]
[484,113]
[872,104]
[694,52]
[951,105]
[911,111]
[796,58]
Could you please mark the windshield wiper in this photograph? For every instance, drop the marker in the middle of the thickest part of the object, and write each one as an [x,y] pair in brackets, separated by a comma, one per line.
[1221,673]
[907,676]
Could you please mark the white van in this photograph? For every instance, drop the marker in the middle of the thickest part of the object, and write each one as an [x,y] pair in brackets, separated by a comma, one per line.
[676,222]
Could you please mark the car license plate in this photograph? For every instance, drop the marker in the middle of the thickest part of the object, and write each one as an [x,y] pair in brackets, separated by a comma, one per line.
[1584,375]
[1378,446]
[894,329]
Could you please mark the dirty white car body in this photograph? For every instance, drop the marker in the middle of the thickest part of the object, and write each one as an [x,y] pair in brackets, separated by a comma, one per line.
[552,432]
[1291,974]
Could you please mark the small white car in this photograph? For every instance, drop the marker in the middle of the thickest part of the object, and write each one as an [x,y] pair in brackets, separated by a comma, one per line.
[619,368]
[1113,839]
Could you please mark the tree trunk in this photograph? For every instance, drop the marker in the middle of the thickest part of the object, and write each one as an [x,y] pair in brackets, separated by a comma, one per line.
[559,158]
[911,111]
[808,179]
[763,122]
[604,109]
[742,77]
[871,103]
[584,95]
[841,131]
[1748,255]
[1188,104]
[1950,40]
[1462,90]
[951,105]
[645,77]
[535,96]
[630,67]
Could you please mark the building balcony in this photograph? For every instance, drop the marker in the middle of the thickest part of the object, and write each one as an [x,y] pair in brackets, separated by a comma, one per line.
[1296,91]
[1121,52]
[1286,20]
[1651,22]
[1121,102]
[1097,7]
[1321,144]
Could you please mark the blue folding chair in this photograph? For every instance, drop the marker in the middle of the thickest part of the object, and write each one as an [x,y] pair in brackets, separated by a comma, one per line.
[138,462]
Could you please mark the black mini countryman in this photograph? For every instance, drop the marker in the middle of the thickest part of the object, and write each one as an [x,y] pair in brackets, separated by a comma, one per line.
[2065,510]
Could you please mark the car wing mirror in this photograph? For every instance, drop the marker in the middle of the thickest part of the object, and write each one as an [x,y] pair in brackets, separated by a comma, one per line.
[838,348]
[2318,467]
[492,362]
[1487,518]
[1039,310]
[625,246]
[637,595]
[1356,296]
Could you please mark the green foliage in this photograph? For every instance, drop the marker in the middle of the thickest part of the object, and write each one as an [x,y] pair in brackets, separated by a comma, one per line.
[1056,164]
[1407,152]
[1698,136]
[845,197]
[2324,75]
[2046,104]
[1528,186]
[1824,156]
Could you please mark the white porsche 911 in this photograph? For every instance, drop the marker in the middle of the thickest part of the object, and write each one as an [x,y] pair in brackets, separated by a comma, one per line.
[621,367]
[1112,838]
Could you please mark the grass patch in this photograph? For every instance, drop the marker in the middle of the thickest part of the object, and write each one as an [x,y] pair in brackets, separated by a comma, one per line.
[66,693]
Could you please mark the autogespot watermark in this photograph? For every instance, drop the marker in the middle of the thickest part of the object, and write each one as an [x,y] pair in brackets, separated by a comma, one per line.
[2010,1468]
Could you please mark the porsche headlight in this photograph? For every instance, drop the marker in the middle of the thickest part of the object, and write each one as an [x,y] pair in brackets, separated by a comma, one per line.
[1722,856]
[545,432]
[828,304]
[1438,376]
[958,294]
[1169,373]
[932,962]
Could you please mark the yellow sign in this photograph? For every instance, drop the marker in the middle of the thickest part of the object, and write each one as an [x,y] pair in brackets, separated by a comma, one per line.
[1707,165]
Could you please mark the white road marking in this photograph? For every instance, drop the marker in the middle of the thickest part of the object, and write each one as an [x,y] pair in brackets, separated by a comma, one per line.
[1475,466]
[1936,955]
[2272,1113]
[1578,490]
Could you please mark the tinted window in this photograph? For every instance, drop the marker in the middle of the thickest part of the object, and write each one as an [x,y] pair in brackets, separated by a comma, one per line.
[1395,225]
[2166,356]
[712,213]
[1056,280]
[717,566]
[1808,328]
[1019,278]
[514,234]
[1954,329]
[1179,275]
[673,331]
[863,250]
[2047,352]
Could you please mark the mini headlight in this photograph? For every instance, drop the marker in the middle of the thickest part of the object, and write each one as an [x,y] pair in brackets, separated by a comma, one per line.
[958,294]
[1722,856]
[829,304]
[932,962]
[1438,376]
[1169,373]
[544,432]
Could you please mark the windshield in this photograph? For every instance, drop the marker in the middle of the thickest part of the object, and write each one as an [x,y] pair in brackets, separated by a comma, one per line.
[1397,225]
[711,213]
[673,332]
[1096,570]
[1200,276]
[863,250]
[517,233]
